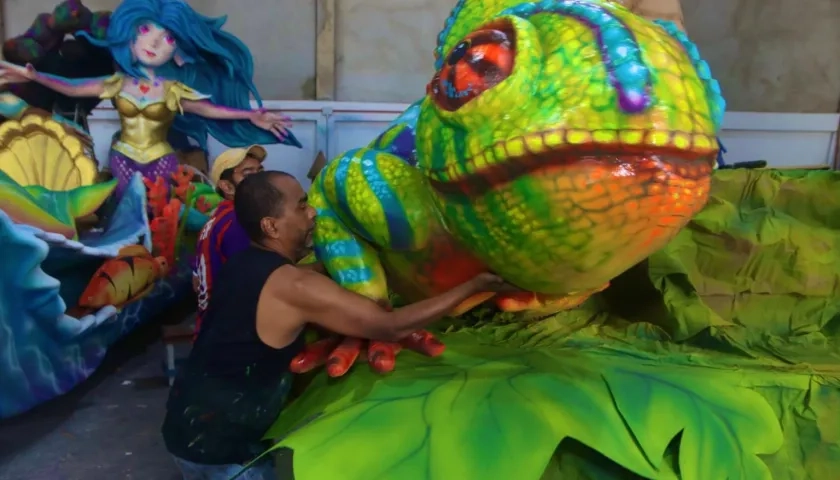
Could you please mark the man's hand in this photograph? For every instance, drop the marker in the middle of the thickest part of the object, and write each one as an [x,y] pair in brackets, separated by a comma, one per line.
[490,282]
[339,354]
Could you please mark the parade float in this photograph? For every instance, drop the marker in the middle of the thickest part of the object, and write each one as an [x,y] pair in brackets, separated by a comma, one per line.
[86,257]
[676,322]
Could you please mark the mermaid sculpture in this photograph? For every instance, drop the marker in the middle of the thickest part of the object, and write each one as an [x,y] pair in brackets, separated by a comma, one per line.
[176,68]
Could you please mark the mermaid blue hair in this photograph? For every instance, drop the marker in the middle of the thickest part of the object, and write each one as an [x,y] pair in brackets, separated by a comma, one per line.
[216,63]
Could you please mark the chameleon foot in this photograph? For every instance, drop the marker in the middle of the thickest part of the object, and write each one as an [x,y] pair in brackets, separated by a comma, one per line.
[313,355]
[340,354]
[471,303]
[544,304]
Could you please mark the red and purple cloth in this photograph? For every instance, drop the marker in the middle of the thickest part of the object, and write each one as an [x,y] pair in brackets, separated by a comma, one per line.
[220,238]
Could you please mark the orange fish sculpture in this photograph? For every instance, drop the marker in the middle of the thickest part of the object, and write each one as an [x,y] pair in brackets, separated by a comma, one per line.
[128,277]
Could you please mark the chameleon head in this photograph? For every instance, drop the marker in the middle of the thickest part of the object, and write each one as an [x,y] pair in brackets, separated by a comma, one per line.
[568,140]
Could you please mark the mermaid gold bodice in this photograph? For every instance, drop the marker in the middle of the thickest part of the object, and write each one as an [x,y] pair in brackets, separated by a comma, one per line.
[144,126]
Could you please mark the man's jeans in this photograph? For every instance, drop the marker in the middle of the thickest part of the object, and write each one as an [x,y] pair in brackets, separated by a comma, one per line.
[263,470]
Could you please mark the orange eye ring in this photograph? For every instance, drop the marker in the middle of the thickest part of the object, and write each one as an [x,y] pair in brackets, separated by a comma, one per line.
[479,62]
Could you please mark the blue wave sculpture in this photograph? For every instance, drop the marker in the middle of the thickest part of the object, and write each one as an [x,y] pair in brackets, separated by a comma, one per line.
[43,351]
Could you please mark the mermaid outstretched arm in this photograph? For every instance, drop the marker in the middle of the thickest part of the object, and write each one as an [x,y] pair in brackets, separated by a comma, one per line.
[183,99]
[207,109]
[71,87]
[273,122]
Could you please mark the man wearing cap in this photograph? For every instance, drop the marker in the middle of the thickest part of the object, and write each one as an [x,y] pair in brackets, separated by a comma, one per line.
[222,236]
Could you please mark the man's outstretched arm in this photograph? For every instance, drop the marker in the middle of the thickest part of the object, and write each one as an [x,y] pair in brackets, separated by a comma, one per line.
[322,302]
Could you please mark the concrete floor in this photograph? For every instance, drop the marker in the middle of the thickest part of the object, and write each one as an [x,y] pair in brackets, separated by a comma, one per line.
[108,428]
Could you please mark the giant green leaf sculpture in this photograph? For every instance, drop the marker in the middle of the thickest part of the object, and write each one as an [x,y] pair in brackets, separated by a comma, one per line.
[584,395]
[495,412]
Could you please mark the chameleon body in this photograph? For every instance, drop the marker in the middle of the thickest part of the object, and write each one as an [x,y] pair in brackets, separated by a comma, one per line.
[559,143]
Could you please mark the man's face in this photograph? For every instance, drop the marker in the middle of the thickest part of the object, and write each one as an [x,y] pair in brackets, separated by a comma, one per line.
[297,218]
[248,166]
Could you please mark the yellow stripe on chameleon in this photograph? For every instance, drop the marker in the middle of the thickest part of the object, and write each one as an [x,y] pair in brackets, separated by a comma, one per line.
[470,168]
[328,176]
[535,143]
[344,263]
[489,157]
[499,152]
[685,104]
[578,137]
[702,142]
[684,123]
[480,161]
[660,139]
[474,145]
[677,88]
[631,137]
[681,141]
[604,136]
[553,139]
[451,172]
[363,204]
[515,147]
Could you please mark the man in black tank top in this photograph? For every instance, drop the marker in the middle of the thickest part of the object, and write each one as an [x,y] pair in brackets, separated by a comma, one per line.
[236,379]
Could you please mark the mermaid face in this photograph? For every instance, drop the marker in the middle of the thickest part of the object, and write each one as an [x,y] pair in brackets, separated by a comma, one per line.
[153,46]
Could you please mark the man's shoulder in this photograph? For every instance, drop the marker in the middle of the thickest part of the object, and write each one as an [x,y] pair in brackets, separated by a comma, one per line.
[287,271]
[285,279]
[245,258]
[225,212]
[234,223]
[222,216]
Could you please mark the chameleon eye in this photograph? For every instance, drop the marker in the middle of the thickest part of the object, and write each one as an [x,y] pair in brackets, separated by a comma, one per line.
[478,63]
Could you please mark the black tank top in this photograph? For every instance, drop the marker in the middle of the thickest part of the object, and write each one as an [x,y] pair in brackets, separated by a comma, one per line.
[233,386]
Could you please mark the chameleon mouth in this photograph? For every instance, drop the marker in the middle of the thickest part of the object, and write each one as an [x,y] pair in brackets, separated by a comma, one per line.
[690,156]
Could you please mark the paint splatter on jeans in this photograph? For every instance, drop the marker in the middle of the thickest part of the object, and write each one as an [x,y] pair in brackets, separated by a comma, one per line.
[211,420]
[123,169]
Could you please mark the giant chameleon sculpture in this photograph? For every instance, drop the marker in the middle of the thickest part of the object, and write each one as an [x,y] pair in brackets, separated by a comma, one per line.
[559,143]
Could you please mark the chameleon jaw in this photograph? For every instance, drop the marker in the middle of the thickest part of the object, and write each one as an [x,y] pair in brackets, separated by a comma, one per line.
[532,150]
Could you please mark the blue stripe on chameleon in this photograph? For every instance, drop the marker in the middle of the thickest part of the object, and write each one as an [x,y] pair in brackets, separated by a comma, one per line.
[398,140]
[349,276]
[401,233]
[405,146]
[717,104]
[326,212]
[331,250]
[620,52]
[409,116]
[447,27]
[340,248]
[341,171]
[385,139]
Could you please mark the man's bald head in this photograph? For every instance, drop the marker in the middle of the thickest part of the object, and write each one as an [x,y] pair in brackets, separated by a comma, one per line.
[272,206]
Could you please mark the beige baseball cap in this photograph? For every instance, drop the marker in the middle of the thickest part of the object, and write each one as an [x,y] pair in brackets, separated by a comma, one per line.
[231,158]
